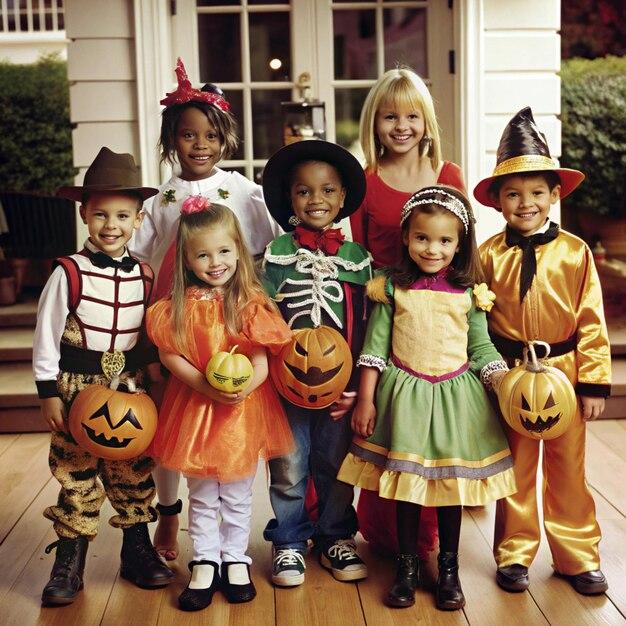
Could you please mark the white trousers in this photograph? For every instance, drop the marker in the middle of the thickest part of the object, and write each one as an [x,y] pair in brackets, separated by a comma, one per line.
[224,541]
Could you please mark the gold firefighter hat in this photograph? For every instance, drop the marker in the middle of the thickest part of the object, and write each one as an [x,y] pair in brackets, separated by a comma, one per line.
[523,148]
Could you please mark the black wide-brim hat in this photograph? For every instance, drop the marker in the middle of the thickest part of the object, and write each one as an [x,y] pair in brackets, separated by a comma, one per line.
[109,172]
[523,148]
[278,170]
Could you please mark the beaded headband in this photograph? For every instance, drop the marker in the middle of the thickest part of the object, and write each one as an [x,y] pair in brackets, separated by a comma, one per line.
[186,93]
[452,203]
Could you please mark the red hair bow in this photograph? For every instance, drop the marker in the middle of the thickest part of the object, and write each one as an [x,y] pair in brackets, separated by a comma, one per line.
[186,93]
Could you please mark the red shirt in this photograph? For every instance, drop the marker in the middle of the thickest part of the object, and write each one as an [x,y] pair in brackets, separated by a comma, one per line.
[376,223]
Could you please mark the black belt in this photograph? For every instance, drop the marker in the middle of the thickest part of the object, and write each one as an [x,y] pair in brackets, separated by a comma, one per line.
[81,361]
[515,349]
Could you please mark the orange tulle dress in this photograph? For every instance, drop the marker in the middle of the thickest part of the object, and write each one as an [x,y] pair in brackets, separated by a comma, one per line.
[196,435]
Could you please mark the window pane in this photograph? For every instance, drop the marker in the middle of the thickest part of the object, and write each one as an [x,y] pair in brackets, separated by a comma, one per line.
[348,105]
[269,2]
[219,40]
[217,3]
[267,125]
[235,98]
[269,46]
[405,39]
[355,44]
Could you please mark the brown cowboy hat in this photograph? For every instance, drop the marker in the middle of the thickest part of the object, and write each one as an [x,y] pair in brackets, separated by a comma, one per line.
[523,148]
[109,171]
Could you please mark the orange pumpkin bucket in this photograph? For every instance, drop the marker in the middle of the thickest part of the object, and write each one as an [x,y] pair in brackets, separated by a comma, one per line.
[536,400]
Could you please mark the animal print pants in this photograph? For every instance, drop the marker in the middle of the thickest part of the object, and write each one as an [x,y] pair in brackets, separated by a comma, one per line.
[86,479]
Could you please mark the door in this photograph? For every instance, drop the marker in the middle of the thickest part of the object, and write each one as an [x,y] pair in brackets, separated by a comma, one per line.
[255,52]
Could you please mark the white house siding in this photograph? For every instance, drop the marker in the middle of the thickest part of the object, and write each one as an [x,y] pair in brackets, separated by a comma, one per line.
[520,60]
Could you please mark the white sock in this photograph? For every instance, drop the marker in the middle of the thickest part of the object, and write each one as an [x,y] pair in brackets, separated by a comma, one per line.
[201,576]
[238,574]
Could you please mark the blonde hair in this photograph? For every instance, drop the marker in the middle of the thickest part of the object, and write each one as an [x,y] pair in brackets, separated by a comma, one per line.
[402,89]
[243,286]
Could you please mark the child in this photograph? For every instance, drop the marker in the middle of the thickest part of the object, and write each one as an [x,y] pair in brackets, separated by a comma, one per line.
[318,279]
[81,318]
[400,138]
[213,437]
[430,436]
[197,131]
[547,288]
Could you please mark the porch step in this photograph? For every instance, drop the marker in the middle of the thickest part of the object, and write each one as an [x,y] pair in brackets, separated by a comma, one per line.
[16,343]
[617,335]
[19,314]
[17,386]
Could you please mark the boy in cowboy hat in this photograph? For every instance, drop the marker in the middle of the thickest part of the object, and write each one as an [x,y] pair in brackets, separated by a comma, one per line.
[546,288]
[93,305]
[317,279]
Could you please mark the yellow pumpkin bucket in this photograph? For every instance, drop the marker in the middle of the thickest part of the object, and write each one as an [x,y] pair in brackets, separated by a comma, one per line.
[228,371]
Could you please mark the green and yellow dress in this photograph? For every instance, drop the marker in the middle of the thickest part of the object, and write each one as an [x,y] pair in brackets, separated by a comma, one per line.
[437,440]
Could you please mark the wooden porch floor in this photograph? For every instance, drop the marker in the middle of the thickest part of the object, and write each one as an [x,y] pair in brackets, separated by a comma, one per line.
[26,487]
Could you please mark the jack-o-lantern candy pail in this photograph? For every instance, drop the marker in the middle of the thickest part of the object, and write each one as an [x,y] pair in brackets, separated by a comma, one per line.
[313,370]
[537,400]
[111,424]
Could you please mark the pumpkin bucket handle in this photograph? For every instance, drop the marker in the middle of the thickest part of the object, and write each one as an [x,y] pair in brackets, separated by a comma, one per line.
[534,365]
[128,381]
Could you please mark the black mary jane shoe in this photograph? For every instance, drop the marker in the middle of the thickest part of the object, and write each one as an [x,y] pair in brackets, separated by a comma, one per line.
[449,595]
[402,593]
[237,593]
[198,599]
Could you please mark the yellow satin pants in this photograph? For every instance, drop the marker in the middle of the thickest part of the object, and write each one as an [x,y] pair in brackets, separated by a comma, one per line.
[569,513]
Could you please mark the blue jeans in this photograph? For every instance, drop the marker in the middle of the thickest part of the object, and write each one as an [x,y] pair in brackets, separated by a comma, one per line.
[321,446]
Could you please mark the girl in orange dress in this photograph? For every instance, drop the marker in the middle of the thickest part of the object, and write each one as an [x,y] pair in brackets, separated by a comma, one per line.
[213,437]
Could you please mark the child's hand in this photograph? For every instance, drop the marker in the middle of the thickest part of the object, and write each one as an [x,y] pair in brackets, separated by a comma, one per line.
[53,411]
[592,407]
[343,405]
[496,378]
[222,396]
[364,418]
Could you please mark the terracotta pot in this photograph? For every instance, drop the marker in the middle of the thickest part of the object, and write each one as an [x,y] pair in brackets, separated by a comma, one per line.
[610,231]
[8,293]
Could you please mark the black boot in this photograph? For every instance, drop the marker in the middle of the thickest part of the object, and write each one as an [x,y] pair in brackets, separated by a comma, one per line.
[140,562]
[402,594]
[449,594]
[66,578]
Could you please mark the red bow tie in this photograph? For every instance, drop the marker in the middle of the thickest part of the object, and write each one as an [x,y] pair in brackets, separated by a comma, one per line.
[328,241]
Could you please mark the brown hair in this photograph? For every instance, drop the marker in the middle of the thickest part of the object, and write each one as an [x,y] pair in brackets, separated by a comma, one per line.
[465,268]
[552,180]
[243,286]
[223,121]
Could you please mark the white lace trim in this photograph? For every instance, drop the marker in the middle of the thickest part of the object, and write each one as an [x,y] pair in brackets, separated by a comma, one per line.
[370,360]
[489,369]
[322,288]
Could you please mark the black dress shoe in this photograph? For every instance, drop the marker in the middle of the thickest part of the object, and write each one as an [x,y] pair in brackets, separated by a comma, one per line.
[196,599]
[513,577]
[449,595]
[237,593]
[402,593]
[141,563]
[589,583]
[66,578]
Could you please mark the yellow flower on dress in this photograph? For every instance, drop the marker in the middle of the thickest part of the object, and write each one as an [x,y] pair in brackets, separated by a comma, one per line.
[484,297]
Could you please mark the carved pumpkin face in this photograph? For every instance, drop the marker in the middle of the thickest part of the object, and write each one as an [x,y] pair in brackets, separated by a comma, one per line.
[229,372]
[539,405]
[313,370]
[112,424]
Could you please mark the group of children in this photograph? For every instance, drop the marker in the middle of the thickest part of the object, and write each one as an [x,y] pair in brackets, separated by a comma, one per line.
[415,427]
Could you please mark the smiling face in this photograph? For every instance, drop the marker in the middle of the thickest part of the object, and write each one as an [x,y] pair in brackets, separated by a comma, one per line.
[317,194]
[198,145]
[399,130]
[212,255]
[525,202]
[111,219]
[432,240]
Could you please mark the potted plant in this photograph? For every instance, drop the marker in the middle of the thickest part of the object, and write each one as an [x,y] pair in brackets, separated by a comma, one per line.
[593,98]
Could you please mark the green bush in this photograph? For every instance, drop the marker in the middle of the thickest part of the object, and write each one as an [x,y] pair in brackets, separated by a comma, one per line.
[593,115]
[35,132]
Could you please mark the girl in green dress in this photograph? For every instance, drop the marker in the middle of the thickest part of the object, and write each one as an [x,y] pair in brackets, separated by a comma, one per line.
[426,432]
